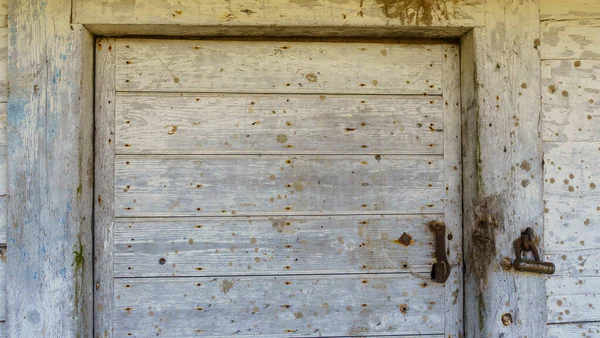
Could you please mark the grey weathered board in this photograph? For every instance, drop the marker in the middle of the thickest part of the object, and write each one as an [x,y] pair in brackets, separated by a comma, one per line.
[279,306]
[571,100]
[304,175]
[274,67]
[279,124]
[273,245]
[572,207]
[277,185]
[572,299]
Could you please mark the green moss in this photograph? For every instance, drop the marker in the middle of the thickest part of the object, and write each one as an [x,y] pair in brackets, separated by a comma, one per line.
[78,260]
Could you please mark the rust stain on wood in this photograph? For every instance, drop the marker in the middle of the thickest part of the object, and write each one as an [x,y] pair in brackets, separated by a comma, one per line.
[405,239]
[417,11]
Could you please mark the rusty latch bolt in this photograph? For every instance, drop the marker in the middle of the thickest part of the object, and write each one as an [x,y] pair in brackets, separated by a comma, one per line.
[441,268]
[525,243]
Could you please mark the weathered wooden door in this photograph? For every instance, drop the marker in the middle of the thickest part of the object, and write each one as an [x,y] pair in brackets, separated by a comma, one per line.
[276,188]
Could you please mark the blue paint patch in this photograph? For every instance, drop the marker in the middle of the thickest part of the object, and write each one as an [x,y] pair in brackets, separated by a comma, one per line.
[17,111]
[63,272]
[63,57]
[43,249]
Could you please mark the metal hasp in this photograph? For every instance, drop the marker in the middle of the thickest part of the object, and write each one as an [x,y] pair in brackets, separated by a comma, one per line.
[441,268]
[525,243]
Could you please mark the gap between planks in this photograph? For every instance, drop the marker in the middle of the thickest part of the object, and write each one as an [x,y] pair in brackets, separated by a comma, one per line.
[255,92]
[418,275]
[175,218]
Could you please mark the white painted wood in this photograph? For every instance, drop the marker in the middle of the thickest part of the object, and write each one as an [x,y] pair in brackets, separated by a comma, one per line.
[159,185]
[4,14]
[583,330]
[344,305]
[571,39]
[572,206]
[277,67]
[454,326]
[226,185]
[573,299]
[104,171]
[3,219]
[3,132]
[50,126]
[502,174]
[3,57]
[279,124]
[274,245]
[569,10]
[275,13]
[3,158]
[2,283]
[571,100]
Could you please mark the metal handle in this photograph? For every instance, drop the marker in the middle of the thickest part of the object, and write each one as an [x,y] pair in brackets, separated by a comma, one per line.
[441,268]
[525,243]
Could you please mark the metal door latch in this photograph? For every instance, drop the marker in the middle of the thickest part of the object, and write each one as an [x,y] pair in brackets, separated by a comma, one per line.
[441,268]
[525,243]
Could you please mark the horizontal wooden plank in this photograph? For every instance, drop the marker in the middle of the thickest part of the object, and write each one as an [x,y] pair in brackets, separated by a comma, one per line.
[2,283]
[266,246]
[573,299]
[3,170]
[4,13]
[569,10]
[342,305]
[211,185]
[3,131]
[3,219]
[571,100]
[579,263]
[3,63]
[571,39]
[280,13]
[279,124]
[579,330]
[572,206]
[274,67]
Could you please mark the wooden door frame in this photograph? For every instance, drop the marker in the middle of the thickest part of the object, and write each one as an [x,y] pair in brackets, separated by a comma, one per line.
[50,149]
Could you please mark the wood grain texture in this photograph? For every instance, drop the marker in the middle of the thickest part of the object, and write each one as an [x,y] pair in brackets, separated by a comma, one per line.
[573,299]
[454,324]
[275,13]
[277,67]
[278,124]
[2,283]
[275,245]
[50,127]
[3,61]
[569,10]
[225,185]
[571,100]
[104,176]
[572,206]
[571,39]
[583,330]
[279,306]
[3,158]
[502,173]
